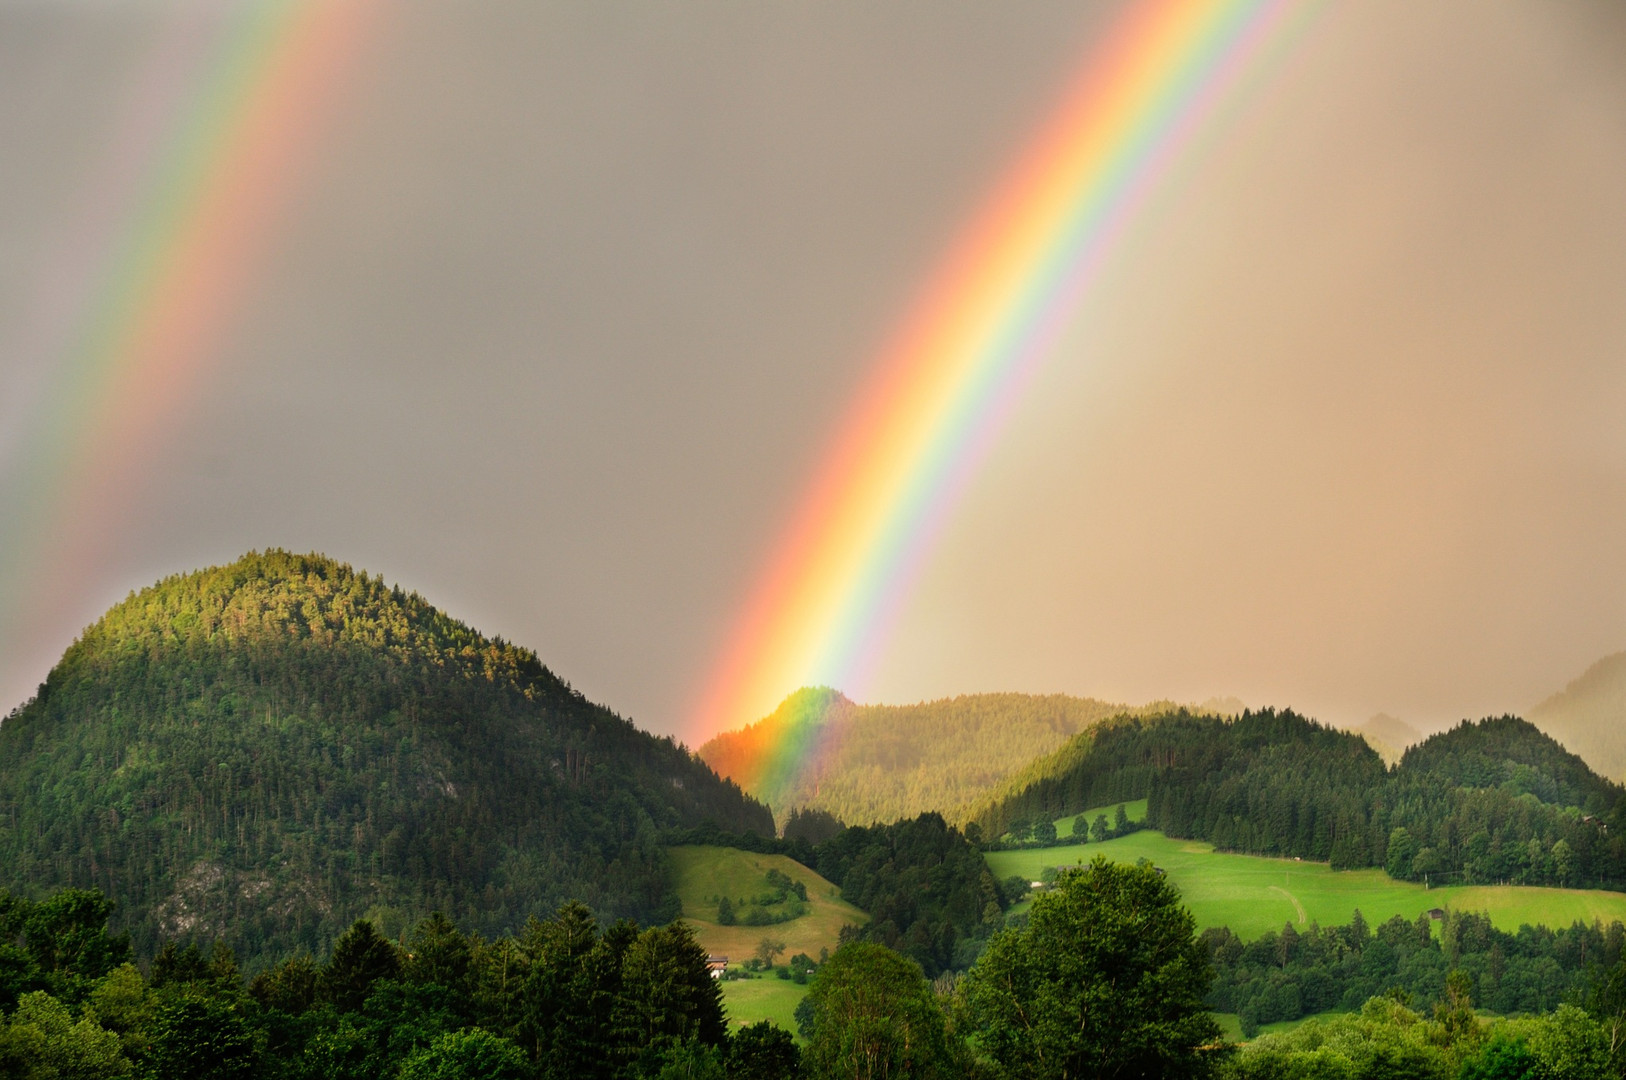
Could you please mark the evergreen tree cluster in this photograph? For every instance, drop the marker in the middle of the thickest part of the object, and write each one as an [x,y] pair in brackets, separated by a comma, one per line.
[927,889]
[564,998]
[811,824]
[1489,802]
[265,751]
[1292,974]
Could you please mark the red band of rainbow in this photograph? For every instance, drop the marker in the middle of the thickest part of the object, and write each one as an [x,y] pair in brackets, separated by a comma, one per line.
[942,392]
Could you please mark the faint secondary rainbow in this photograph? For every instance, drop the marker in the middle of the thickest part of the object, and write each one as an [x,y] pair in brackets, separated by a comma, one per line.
[136,300]
[942,391]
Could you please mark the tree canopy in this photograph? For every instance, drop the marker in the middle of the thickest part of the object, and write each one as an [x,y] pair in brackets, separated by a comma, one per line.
[1107,979]
[872,1016]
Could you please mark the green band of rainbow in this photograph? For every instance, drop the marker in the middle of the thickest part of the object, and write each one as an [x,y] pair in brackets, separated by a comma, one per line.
[942,392]
[136,310]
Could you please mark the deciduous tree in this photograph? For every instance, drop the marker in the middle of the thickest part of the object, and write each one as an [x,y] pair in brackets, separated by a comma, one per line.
[1106,980]
[872,1015]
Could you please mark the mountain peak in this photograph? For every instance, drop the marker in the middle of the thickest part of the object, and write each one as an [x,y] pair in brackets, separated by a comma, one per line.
[266,750]
[277,596]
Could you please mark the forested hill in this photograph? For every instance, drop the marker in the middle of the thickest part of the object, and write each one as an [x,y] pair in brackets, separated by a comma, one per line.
[1486,802]
[263,752]
[872,763]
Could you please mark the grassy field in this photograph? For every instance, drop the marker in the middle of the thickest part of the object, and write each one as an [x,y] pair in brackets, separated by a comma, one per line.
[1231,1024]
[704,873]
[1135,811]
[1252,894]
[750,1000]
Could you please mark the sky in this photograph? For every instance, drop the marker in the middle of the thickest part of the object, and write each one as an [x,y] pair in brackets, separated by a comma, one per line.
[553,309]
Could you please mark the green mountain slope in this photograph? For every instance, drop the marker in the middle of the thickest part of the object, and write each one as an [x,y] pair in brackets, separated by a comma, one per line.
[1589,716]
[868,763]
[1493,802]
[267,750]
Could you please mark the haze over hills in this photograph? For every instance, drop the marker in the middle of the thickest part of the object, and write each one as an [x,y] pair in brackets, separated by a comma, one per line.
[1389,736]
[267,750]
[1589,715]
[879,763]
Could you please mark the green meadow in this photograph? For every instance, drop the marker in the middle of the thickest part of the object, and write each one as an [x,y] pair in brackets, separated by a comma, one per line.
[1231,1025]
[703,873]
[1075,823]
[1252,894]
[770,998]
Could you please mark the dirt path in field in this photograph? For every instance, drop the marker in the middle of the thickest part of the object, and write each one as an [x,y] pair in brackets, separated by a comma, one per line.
[1302,917]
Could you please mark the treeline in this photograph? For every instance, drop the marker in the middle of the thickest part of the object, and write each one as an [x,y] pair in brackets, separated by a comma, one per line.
[1023,833]
[926,887]
[264,751]
[1292,974]
[811,824]
[1487,802]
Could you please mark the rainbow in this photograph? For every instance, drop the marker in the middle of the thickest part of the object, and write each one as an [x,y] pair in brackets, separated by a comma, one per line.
[942,391]
[137,299]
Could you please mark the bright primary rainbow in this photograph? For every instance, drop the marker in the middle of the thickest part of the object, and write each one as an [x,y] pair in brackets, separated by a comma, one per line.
[942,391]
[136,301]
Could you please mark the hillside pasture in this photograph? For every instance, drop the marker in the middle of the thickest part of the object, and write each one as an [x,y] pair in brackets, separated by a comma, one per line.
[704,873]
[1252,894]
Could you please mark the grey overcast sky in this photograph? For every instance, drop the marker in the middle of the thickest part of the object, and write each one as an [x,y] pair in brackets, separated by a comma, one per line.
[559,316]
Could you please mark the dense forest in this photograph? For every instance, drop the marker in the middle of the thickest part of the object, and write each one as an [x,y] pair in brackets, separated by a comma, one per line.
[1292,974]
[1105,977]
[263,752]
[927,890]
[570,998]
[1489,802]
[564,998]
[877,763]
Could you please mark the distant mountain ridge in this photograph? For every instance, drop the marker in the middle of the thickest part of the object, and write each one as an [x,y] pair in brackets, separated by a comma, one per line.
[1389,736]
[267,750]
[1589,715]
[880,763]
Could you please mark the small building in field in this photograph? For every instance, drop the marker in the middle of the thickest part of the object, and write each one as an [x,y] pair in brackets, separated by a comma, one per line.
[1436,913]
[716,965]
